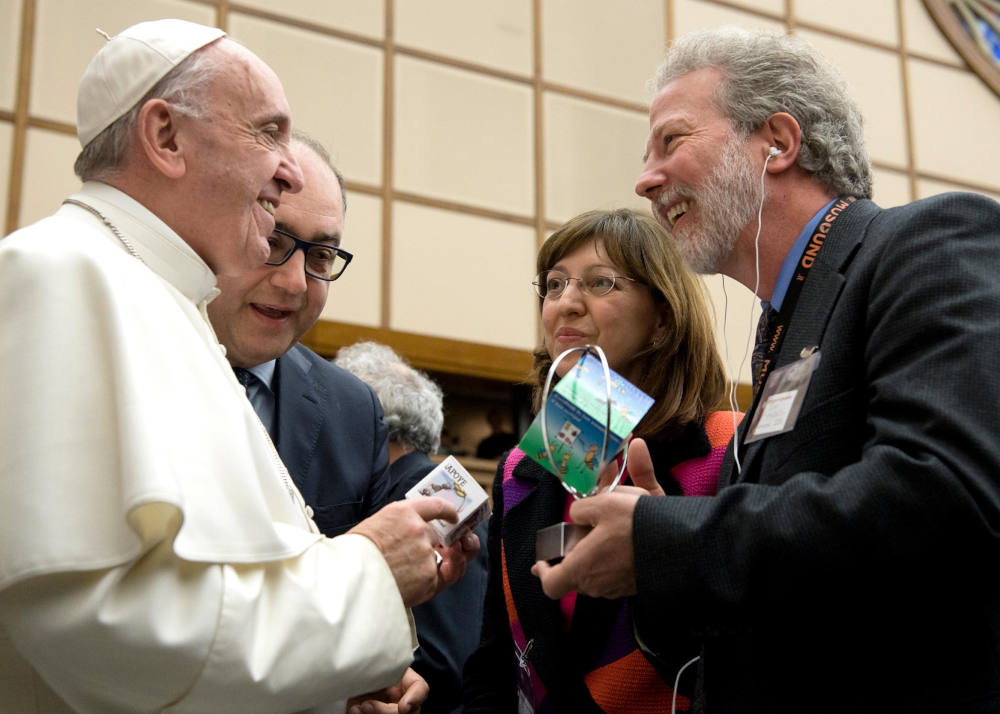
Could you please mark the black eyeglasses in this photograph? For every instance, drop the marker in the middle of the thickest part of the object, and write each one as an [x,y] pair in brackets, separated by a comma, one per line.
[323,261]
[595,281]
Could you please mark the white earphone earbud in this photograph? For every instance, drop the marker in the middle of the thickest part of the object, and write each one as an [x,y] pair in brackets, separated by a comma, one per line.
[774,151]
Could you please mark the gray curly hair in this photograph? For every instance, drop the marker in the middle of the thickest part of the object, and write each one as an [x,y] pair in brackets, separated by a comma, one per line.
[411,401]
[763,74]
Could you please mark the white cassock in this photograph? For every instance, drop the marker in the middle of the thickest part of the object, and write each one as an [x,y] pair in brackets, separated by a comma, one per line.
[154,553]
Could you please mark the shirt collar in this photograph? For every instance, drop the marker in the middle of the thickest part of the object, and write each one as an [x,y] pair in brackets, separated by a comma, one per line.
[157,244]
[792,258]
[265,373]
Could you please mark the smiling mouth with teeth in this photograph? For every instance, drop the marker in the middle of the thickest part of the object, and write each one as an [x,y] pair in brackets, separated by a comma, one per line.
[676,211]
[266,205]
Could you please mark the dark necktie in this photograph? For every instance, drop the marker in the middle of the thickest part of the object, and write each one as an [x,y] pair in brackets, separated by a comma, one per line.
[244,376]
[765,331]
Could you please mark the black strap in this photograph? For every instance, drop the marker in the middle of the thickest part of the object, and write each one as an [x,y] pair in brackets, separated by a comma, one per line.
[802,268]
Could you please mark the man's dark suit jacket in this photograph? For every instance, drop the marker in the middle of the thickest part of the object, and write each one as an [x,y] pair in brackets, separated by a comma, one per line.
[853,565]
[333,439]
[448,625]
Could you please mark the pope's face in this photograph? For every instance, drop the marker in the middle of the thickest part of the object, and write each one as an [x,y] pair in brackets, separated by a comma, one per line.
[262,313]
[240,165]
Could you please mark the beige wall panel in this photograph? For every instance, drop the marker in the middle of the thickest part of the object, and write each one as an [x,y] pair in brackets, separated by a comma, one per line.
[357,296]
[463,137]
[6,137]
[363,18]
[923,36]
[955,122]
[65,41]
[891,188]
[868,20]
[926,187]
[690,15]
[735,313]
[875,83]
[10,36]
[333,86]
[774,7]
[584,45]
[496,33]
[593,155]
[48,173]
[462,277]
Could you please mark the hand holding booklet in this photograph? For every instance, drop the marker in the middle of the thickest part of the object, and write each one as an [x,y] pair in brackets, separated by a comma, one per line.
[450,481]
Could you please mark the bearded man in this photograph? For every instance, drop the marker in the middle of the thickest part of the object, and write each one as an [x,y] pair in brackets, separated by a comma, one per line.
[846,564]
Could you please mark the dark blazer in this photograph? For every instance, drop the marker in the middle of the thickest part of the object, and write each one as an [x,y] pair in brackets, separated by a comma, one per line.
[447,625]
[332,437]
[560,658]
[852,565]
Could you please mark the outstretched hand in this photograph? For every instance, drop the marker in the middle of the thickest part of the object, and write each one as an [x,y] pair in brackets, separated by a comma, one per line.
[401,532]
[455,558]
[602,564]
[402,698]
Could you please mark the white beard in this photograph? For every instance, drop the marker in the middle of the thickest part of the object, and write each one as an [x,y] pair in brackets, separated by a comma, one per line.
[726,202]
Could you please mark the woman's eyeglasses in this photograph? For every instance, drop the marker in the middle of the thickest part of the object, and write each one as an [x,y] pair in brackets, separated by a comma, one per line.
[595,281]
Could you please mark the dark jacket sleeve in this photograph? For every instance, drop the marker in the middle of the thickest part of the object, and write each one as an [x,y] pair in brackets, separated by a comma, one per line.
[380,482]
[875,509]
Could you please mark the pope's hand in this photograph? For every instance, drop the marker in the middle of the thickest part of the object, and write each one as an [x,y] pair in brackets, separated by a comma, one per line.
[401,532]
[403,698]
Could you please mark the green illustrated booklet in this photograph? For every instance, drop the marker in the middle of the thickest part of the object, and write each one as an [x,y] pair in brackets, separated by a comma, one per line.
[576,415]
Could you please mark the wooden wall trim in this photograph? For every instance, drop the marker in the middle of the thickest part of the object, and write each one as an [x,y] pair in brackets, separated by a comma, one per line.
[426,352]
[904,80]
[21,99]
[388,160]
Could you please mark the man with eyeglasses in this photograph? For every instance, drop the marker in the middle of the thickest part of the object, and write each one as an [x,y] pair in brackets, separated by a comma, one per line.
[326,424]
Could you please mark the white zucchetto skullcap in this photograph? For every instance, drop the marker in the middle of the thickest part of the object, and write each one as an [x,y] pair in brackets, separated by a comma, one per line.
[129,65]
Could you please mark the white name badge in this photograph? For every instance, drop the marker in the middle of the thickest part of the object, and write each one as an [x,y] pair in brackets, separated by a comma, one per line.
[781,401]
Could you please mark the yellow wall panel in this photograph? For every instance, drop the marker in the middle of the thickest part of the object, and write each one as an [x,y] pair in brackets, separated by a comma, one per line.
[356,296]
[333,86]
[955,122]
[593,154]
[363,18]
[463,137]
[462,277]
[494,33]
[608,48]
[66,40]
[48,173]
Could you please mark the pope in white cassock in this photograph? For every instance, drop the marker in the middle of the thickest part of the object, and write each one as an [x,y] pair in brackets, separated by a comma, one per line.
[154,553]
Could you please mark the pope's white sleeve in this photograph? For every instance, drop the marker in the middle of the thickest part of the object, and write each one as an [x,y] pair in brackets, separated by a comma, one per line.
[162,633]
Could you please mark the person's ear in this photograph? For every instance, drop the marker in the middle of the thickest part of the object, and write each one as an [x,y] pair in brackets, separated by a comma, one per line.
[660,331]
[158,138]
[781,131]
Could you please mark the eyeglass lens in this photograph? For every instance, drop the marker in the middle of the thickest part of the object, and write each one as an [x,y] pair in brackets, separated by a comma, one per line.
[595,281]
[323,261]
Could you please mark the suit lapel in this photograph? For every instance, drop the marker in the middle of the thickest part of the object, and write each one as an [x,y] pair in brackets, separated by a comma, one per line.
[300,417]
[808,324]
